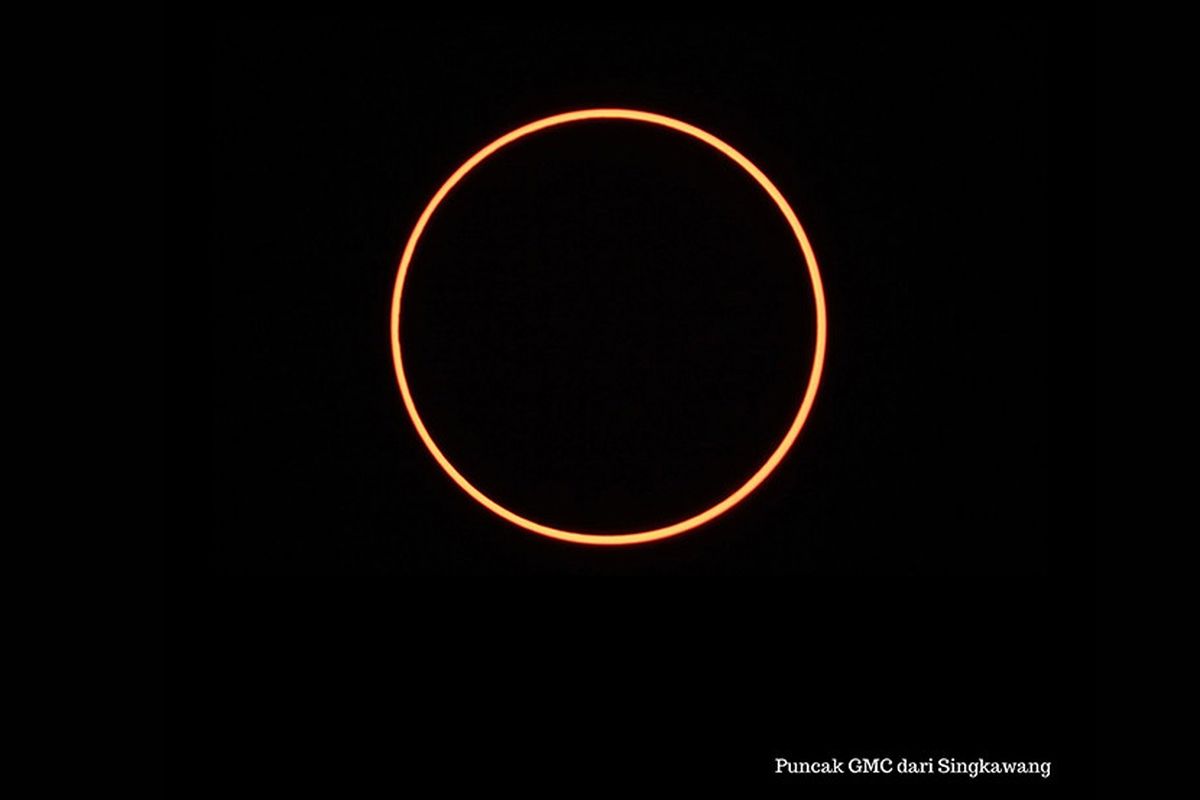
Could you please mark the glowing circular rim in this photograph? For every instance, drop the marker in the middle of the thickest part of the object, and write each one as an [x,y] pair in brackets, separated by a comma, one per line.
[775,457]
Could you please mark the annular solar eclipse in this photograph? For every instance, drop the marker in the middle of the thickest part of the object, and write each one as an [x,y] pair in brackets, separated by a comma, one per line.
[805,403]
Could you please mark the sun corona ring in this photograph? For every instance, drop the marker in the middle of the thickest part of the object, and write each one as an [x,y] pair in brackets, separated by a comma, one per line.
[767,466]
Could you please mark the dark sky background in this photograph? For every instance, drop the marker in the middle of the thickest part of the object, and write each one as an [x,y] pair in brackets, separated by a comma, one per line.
[609,327]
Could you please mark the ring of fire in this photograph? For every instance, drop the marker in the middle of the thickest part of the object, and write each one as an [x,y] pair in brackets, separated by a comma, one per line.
[818,352]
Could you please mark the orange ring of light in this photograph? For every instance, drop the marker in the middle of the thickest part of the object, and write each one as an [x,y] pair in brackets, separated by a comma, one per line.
[805,405]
